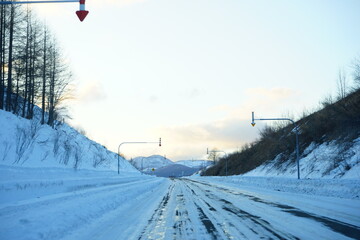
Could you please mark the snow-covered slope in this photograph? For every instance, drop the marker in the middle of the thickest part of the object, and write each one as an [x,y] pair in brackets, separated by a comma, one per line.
[194,163]
[27,143]
[326,160]
[147,163]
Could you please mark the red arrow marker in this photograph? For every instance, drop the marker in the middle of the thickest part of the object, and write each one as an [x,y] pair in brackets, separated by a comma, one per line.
[82,14]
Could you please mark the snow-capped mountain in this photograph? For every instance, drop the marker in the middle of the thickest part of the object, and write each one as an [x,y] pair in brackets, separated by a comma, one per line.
[195,163]
[174,170]
[147,163]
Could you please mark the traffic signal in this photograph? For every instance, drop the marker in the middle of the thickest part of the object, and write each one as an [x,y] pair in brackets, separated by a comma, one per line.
[159,142]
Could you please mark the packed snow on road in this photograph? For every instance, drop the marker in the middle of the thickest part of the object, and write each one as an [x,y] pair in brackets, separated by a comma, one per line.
[54,203]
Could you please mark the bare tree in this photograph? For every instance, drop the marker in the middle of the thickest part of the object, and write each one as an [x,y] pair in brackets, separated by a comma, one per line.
[43,95]
[356,72]
[213,155]
[10,60]
[341,85]
[32,70]
[2,55]
[59,90]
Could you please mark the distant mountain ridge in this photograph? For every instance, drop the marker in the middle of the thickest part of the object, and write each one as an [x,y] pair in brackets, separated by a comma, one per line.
[195,163]
[148,163]
[173,170]
[164,167]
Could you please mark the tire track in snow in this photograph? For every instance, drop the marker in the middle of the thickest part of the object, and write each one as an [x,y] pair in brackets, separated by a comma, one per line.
[156,224]
[343,228]
[179,217]
[248,226]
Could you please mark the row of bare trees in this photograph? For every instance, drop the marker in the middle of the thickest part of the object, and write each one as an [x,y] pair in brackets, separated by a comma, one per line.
[32,70]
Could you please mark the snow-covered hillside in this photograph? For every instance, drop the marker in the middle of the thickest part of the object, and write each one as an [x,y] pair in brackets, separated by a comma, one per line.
[326,160]
[147,163]
[27,143]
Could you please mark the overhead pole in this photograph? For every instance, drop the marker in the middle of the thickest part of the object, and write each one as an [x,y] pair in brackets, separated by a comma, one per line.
[296,127]
[159,142]
[82,13]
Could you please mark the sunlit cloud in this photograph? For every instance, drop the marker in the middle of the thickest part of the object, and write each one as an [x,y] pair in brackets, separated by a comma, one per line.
[231,132]
[229,135]
[112,3]
[272,93]
[153,99]
[91,91]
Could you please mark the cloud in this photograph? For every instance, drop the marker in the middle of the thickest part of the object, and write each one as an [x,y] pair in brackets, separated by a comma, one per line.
[230,133]
[153,98]
[272,93]
[191,141]
[117,2]
[195,92]
[91,91]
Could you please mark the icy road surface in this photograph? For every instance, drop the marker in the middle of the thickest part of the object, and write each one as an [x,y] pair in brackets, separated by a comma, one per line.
[198,210]
[157,208]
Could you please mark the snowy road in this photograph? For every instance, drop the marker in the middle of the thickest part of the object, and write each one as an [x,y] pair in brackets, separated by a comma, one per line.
[157,208]
[198,210]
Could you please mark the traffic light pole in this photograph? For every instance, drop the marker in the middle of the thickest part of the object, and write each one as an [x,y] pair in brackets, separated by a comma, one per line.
[132,143]
[296,133]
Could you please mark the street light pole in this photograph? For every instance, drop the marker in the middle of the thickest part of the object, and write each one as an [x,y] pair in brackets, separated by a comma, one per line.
[296,134]
[132,143]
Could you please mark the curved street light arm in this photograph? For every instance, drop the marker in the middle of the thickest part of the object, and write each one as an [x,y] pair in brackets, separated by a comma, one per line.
[296,134]
[131,143]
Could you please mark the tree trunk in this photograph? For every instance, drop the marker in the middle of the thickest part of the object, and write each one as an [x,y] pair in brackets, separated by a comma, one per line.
[9,83]
[2,55]
[44,81]
[26,67]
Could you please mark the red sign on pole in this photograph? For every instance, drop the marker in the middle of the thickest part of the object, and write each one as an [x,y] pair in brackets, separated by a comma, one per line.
[82,13]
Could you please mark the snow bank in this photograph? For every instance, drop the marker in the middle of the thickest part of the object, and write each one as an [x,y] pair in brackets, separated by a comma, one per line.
[340,188]
[20,183]
[53,203]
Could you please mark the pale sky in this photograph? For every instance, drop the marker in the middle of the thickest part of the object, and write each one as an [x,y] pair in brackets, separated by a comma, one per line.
[191,71]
